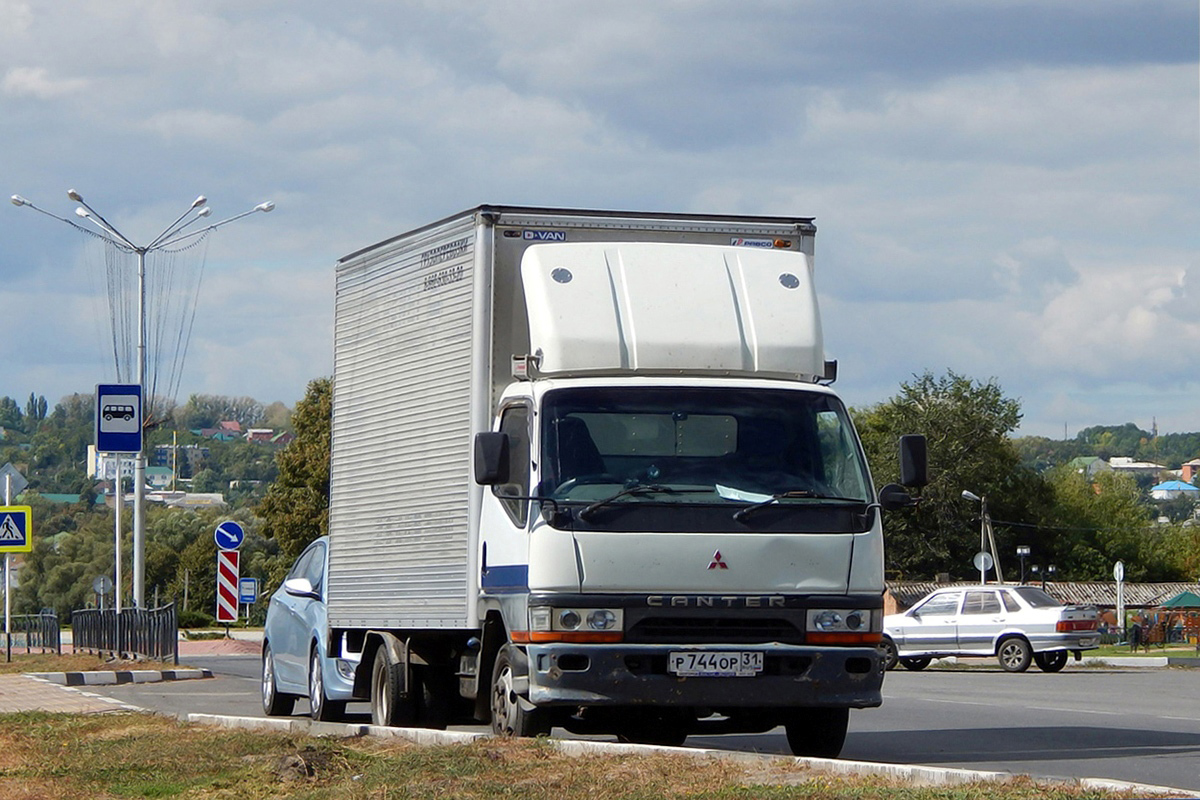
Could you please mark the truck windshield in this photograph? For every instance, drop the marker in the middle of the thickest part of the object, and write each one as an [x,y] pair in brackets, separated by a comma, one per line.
[718,446]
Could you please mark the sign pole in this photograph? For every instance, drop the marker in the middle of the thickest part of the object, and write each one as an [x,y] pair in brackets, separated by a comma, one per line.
[7,576]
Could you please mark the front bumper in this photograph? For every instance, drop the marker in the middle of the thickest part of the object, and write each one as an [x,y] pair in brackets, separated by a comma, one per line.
[630,675]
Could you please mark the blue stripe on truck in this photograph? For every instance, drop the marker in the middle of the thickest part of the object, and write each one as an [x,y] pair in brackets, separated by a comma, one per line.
[513,578]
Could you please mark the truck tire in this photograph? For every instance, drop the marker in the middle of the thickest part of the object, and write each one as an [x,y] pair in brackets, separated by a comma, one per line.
[817,732]
[274,704]
[1051,660]
[509,717]
[668,728]
[391,705]
[1014,654]
[321,708]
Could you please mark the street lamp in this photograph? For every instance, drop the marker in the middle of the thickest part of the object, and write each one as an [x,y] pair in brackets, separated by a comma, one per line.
[985,536]
[1022,553]
[172,235]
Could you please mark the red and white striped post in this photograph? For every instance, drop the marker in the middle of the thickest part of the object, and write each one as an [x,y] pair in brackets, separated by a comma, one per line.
[227,585]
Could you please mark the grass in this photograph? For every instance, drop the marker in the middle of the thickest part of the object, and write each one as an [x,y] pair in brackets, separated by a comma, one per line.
[67,662]
[127,755]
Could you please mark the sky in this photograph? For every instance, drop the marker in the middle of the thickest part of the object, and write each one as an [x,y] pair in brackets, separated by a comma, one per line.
[1007,190]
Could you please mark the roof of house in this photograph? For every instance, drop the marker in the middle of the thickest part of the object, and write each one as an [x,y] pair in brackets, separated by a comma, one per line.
[1174,486]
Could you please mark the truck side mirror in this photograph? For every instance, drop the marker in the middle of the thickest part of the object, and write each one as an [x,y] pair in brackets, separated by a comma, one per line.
[491,458]
[914,471]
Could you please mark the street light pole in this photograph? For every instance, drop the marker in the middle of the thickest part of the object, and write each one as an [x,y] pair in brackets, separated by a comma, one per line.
[1022,553]
[171,235]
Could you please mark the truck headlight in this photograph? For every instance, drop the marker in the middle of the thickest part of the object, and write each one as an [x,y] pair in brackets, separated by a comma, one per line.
[844,626]
[548,624]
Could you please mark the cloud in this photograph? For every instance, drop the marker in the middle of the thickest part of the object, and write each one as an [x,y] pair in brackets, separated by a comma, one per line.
[36,82]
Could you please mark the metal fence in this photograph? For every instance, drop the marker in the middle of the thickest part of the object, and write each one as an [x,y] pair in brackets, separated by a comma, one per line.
[148,633]
[34,632]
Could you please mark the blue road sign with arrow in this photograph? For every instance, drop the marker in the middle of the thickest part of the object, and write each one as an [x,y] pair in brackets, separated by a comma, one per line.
[229,535]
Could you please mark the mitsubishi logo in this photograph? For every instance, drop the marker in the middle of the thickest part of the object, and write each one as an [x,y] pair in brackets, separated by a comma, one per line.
[718,562]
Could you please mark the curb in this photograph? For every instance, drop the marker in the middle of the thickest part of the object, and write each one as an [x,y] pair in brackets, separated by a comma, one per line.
[117,677]
[913,774]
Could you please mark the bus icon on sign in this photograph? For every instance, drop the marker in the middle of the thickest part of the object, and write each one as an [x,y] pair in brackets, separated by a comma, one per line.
[112,412]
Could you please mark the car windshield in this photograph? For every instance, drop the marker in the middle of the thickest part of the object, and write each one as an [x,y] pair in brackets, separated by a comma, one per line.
[699,445]
[1035,597]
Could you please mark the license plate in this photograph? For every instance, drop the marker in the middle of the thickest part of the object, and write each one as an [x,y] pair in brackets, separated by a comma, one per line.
[740,664]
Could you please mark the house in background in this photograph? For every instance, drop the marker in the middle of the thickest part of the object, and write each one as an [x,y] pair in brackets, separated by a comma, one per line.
[1189,470]
[1089,466]
[1173,490]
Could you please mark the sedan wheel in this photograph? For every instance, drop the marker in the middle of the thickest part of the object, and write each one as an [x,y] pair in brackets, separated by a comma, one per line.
[1051,661]
[1014,654]
[887,649]
[916,664]
[274,704]
[321,708]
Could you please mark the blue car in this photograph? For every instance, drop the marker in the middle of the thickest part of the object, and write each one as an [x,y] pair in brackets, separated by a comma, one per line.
[295,655]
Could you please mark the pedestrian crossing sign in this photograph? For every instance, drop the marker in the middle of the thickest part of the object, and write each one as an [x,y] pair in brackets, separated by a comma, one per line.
[16,529]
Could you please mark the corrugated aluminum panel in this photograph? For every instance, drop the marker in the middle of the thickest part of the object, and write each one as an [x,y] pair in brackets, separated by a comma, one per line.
[401,449]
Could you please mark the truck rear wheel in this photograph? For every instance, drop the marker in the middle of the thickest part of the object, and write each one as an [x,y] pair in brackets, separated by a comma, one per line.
[817,732]
[391,700]
[509,716]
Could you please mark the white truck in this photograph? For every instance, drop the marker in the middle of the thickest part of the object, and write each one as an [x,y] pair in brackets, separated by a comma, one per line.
[587,472]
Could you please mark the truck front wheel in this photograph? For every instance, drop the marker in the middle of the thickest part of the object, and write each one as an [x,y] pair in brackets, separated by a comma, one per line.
[509,716]
[817,732]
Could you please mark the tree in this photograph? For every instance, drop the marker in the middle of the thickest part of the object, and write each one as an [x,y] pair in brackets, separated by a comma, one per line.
[10,414]
[206,410]
[1093,524]
[295,510]
[966,424]
[35,410]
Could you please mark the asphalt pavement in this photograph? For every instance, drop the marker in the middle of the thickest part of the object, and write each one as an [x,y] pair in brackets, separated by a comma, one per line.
[66,692]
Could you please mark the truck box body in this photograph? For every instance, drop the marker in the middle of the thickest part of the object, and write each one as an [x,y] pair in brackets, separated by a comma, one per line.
[426,327]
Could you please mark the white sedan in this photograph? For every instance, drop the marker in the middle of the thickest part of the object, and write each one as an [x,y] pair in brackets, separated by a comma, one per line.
[1016,624]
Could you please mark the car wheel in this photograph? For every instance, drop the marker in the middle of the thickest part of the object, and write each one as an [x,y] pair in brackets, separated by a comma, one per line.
[817,732]
[887,649]
[916,663]
[1051,661]
[321,708]
[509,716]
[1014,654]
[391,704]
[274,704]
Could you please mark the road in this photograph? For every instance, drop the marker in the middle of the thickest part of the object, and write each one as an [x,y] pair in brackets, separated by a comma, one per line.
[1132,725]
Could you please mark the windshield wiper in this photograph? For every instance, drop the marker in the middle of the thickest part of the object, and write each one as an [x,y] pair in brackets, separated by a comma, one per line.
[741,515]
[637,488]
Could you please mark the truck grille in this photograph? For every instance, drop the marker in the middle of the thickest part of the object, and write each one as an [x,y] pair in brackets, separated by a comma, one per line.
[712,630]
